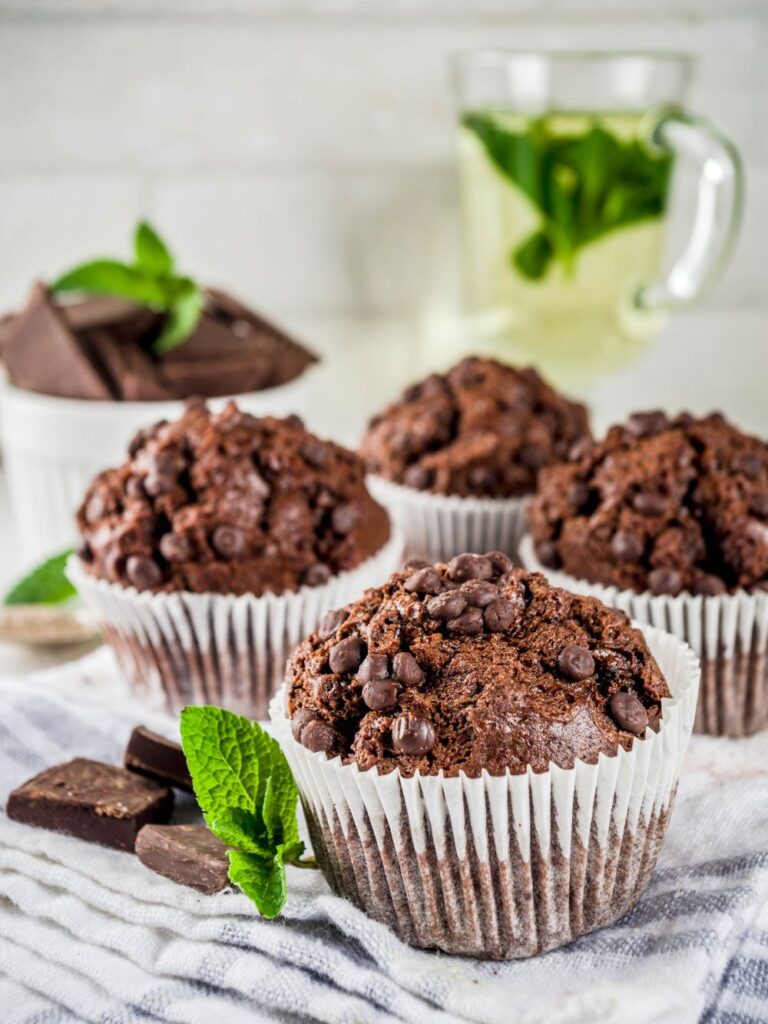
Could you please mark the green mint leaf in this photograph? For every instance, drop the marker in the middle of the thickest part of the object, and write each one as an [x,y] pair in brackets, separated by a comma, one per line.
[182,317]
[279,804]
[262,879]
[150,251]
[110,277]
[242,831]
[47,584]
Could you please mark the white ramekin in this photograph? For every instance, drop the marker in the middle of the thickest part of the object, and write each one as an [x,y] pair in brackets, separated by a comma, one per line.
[439,526]
[500,866]
[729,632]
[230,650]
[53,447]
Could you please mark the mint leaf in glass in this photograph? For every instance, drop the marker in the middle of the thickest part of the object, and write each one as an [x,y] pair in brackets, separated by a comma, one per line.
[248,797]
[46,584]
[150,281]
[582,185]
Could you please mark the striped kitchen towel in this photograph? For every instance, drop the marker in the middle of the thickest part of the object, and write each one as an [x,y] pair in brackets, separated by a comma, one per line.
[89,934]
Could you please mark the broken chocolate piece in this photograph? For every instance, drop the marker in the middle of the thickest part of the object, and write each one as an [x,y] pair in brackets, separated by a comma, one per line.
[187,854]
[96,802]
[155,757]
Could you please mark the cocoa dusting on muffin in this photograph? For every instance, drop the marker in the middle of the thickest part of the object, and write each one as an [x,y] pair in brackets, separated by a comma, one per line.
[468,666]
[482,429]
[665,505]
[229,503]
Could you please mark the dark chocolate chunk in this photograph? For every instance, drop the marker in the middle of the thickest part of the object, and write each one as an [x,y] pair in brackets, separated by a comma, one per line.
[316,575]
[500,615]
[423,581]
[447,606]
[501,563]
[418,477]
[381,694]
[375,666]
[344,518]
[156,757]
[143,572]
[331,621]
[96,802]
[470,567]
[345,655]
[548,555]
[626,546]
[665,581]
[317,736]
[468,623]
[187,854]
[575,662]
[708,585]
[175,547]
[406,669]
[479,593]
[228,541]
[643,424]
[649,503]
[412,734]
[629,712]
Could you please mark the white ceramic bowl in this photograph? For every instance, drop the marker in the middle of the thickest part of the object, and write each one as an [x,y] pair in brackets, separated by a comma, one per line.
[53,447]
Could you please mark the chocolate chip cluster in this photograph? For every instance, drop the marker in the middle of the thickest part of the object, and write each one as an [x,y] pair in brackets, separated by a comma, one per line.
[468,666]
[662,504]
[229,503]
[483,429]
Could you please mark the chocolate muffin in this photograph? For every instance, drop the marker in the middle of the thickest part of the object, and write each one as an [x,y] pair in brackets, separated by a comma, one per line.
[229,503]
[661,505]
[481,430]
[472,666]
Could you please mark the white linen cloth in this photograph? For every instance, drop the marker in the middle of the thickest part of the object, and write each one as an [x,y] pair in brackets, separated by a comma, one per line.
[89,934]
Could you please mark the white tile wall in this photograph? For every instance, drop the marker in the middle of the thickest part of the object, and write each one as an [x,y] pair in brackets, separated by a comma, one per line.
[301,150]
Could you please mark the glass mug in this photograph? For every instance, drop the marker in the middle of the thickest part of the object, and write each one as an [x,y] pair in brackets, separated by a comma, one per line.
[566,164]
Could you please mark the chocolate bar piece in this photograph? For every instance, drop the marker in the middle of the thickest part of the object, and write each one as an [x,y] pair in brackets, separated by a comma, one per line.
[187,854]
[152,755]
[97,802]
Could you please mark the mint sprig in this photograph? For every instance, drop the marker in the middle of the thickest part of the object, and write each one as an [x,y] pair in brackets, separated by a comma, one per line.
[46,584]
[248,798]
[150,280]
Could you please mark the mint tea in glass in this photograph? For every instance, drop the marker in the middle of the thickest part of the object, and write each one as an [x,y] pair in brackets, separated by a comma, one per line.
[566,165]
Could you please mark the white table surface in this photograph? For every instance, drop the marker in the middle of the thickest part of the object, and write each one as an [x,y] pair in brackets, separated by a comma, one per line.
[703,360]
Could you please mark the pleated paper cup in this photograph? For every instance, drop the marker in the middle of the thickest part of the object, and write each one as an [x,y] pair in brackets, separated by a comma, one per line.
[439,526]
[229,650]
[500,866]
[729,632]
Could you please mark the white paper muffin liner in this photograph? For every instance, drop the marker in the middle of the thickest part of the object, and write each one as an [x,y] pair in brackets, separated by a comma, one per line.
[729,632]
[439,526]
[505,866]
[229,650]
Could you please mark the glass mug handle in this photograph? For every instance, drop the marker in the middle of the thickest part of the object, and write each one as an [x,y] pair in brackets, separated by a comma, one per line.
[717,219]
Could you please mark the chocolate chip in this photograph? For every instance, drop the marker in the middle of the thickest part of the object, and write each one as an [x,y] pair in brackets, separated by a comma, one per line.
[482,478]
[331,621]
[95,508]
[299,720]
[748,463]
[175,548]
[470,567]
[708,585]
[643,424]
[84,552]
[344,518]
[579,449]
[665,581]
[577,495]
[576,663]
[649,503]
[423,581]
[136,443]
[295,421]
[758,505]
[314,453]
[345,655]
[316,574]
[479,593]
[375,666]
[628,712]
[468,623]
[318,737]
[500,615]
[143,572]
[228,541]
[548,555]
[501,563]
[412,734]
[683,419]
[406,669]
[418,476]
[381,694]
[161,473]
[654,718]
[416,563]
[626,546]
[533,456]
[446,606]
[134,488]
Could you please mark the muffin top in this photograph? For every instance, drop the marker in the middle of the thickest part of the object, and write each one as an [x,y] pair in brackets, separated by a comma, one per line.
[468,666]
[482,429]
[661,505]
[229,503]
